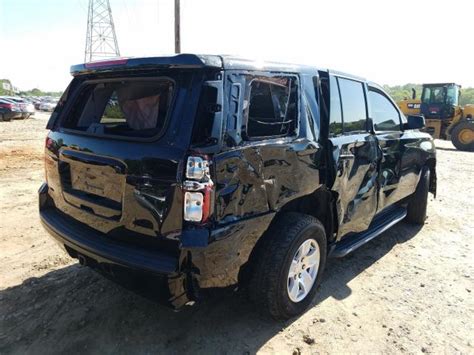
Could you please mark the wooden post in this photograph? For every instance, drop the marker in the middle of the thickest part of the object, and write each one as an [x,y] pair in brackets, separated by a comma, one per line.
[177,30]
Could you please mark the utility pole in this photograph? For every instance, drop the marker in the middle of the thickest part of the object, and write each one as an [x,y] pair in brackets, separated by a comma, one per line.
[101,40]
[177,29]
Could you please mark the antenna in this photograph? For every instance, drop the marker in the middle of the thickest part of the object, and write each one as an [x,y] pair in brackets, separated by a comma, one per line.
[101,40]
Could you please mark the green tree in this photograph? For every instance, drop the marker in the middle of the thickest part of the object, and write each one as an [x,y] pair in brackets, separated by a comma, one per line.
[467,96]
[400,92]
[4,91]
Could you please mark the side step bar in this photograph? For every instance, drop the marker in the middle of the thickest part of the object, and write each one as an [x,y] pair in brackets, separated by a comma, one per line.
[380,224]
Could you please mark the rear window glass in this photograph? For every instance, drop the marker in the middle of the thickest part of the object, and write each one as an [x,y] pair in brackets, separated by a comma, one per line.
[122,108]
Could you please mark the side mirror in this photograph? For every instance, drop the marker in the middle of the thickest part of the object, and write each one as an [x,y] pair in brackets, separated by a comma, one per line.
[414,122]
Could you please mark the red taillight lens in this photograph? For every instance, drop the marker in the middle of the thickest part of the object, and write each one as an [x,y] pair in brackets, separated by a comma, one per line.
[7,106]
[48,143]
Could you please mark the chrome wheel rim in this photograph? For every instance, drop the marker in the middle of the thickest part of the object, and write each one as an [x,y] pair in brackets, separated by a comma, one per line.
[303,270]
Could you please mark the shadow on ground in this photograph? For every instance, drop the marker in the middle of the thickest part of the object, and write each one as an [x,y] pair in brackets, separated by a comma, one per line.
[74,309]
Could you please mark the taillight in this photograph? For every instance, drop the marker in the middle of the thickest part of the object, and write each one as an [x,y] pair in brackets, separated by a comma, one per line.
[49,143]
[197,190]
[7,106]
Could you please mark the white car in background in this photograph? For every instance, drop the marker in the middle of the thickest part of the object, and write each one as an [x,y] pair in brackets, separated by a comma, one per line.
[30,107]
[48,105]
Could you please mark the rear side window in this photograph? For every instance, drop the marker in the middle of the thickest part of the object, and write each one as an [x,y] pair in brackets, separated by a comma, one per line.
[122,108]
[353,105]
[385,116]
[272,107]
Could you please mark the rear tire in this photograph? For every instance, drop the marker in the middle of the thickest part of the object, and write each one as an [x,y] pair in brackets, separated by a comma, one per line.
[462,136]
[6,119]
[280,270]
[416,211]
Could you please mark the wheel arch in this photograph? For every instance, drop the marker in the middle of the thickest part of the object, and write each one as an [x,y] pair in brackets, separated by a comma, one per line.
[319,204]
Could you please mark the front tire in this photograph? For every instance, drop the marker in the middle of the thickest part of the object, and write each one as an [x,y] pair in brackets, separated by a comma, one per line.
[416,211]
[289,265]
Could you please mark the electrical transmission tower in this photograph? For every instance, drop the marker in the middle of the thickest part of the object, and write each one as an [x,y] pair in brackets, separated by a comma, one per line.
[101,41]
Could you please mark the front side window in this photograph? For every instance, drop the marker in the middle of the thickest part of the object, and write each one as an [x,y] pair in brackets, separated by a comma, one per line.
[385,116]
[122,108]
[272,107]
[353,105]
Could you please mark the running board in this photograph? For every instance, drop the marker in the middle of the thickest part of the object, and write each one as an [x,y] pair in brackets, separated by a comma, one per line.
[380,224]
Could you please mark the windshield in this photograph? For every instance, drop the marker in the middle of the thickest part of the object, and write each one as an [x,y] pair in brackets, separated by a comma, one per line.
[446,94]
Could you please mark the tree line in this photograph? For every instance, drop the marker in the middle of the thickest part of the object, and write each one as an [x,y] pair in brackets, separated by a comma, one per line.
[32,92]
[400,92]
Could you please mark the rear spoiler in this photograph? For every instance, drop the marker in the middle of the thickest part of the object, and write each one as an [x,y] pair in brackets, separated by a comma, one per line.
[177,61]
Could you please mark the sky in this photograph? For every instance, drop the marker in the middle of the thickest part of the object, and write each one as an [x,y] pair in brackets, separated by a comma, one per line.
[389,42]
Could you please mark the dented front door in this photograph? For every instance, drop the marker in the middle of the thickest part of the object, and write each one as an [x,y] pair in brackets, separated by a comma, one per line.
[355,158]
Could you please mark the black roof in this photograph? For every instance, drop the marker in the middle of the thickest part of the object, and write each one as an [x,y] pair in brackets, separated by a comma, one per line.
[196,61]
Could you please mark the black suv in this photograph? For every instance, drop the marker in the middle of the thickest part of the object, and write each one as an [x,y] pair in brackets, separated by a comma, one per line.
[214,170]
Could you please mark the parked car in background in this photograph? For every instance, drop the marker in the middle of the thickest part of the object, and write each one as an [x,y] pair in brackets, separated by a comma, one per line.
[35,101]
[37,104]
[27,108]
[48,105]
[9,110]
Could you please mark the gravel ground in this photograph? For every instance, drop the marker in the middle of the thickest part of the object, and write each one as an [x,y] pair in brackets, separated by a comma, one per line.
[408,291]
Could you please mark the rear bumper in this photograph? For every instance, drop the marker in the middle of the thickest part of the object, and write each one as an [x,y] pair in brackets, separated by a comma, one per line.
[87,241]
[204,260]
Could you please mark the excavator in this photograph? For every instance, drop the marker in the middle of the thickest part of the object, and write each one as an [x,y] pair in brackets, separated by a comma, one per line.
[444,117]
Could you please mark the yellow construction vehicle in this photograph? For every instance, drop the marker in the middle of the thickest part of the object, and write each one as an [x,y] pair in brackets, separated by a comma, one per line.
[444,118]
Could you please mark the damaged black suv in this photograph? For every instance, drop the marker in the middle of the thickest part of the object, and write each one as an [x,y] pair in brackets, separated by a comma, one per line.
[214,171]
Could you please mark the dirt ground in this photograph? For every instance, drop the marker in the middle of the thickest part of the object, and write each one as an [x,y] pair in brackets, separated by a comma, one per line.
[409,290]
